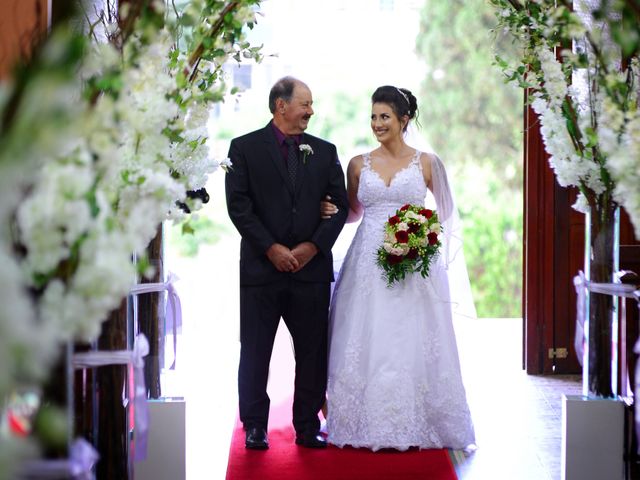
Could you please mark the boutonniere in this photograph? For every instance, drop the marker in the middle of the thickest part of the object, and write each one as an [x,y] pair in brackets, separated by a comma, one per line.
[306,151]
[225,165]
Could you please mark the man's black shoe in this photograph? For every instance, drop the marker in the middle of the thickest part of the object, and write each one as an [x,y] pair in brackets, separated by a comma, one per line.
[256,439]
[311,439]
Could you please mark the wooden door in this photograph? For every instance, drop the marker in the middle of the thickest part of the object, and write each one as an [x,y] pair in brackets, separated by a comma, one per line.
[21,21]
[553,254]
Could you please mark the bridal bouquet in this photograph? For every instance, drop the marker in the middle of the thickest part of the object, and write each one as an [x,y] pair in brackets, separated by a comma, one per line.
[411,242]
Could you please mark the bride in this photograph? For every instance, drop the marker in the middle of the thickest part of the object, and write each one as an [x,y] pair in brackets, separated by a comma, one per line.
[394,373]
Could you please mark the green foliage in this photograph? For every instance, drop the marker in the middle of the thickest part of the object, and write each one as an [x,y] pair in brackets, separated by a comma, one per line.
[188,237]
[624,27]
[493,250]
[468,112]
[341,116]
[344,118]
[473,120]
[209,32]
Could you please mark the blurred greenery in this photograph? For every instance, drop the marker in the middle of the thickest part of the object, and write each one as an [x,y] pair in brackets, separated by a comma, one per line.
[345,120]
[474,121]
[187,238]
[342,117]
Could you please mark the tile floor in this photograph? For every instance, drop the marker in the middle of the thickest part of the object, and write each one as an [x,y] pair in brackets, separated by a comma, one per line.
[517,416]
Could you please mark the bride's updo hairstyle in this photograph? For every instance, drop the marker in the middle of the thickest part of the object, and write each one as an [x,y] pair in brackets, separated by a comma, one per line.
[402,101]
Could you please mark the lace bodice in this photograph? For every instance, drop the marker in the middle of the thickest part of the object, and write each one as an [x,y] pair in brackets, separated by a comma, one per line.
[380,200]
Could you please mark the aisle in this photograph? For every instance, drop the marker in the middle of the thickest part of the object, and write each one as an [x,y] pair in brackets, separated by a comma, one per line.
[505,402]
[286,461]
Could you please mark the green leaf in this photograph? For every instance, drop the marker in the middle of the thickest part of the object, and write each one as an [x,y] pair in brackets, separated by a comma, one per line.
[93,202]
[186,20]
[187,229]
[173,134]
[208,42]
[142,264]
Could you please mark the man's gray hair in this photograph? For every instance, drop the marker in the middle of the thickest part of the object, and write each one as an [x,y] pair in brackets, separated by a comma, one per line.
[283,89]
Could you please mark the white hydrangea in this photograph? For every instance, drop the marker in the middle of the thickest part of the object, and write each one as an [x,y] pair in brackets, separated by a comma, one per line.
[54,217]
[581,204]
[555,82]
[624,164]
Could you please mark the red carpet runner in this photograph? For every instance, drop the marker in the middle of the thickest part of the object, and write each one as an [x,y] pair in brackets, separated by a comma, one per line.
[287,461]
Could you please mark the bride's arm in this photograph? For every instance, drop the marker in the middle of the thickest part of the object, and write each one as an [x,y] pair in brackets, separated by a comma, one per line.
[425,163]
[353,180]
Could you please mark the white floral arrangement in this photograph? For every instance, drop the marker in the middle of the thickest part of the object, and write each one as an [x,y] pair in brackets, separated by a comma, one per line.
[590,129]
[87,176]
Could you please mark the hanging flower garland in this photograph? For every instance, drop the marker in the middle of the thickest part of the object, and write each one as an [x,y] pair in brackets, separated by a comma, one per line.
[588,103]
[99,143]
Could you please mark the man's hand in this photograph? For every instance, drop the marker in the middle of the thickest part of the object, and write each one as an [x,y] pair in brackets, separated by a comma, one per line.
[304,252]
[283,258]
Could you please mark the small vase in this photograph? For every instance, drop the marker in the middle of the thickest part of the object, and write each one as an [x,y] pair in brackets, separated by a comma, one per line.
[602,246]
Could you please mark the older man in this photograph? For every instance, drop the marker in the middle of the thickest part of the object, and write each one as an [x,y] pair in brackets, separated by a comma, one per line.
[278,177]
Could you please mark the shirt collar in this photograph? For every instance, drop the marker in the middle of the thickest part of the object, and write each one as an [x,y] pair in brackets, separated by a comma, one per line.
[281,136]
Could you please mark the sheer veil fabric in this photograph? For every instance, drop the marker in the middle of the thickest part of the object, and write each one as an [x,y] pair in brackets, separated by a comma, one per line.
[452,253]
[394,372]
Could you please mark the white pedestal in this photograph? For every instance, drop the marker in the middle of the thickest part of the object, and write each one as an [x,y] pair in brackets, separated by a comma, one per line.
[592,438]
[166,451]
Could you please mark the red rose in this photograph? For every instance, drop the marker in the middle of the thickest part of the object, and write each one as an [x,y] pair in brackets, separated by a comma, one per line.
[394,220]
[425,212]
[413,253]
[414,227]
[402,236]
[393,259]
[404,207]
[433,238]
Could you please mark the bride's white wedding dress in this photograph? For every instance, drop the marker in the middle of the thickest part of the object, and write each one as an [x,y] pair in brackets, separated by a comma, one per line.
[394,373]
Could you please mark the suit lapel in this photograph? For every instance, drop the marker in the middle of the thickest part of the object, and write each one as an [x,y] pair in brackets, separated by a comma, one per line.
[302,167]
[274,152]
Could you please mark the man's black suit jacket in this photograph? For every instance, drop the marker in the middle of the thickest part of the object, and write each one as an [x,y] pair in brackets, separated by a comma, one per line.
[266,209]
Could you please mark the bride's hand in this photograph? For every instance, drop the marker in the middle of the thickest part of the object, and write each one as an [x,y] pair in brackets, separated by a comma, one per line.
[327,209]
